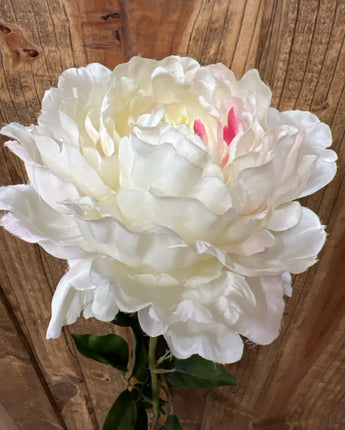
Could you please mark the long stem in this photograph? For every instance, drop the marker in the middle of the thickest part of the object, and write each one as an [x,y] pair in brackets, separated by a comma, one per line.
[155,381]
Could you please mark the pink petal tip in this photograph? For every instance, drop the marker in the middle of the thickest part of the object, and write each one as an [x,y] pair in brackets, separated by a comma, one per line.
[230,131]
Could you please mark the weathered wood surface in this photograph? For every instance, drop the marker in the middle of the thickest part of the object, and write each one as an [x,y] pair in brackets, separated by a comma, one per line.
[298,46]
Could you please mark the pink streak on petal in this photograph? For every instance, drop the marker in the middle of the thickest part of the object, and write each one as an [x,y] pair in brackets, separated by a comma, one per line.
[230,131]
[225,160]
[199,129]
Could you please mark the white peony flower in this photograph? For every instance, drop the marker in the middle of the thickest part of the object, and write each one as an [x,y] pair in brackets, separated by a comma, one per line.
[171,189]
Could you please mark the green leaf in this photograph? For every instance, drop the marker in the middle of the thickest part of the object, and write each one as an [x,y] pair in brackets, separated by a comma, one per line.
[196,372]
[109,349]
[140,365]
[142,421]
[123,414]
[172,423]
[145,391]
[141,362]
[126,320]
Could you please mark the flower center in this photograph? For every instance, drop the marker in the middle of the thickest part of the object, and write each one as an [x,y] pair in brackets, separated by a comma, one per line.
[230,130]
[199,129]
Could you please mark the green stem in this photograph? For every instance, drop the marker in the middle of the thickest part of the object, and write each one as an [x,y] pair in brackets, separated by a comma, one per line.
[155,380]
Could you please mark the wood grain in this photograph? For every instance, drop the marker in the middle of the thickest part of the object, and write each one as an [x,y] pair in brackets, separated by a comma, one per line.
[6,422]
[22,387]
[298,46]
[155,27]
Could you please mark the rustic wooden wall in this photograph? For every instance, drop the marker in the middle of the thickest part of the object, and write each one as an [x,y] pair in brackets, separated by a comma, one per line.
[298,46]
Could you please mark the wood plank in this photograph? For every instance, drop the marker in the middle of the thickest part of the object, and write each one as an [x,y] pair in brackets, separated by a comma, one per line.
[298,46]
[27,273]
[295,383]
[97,30]
[25,402]
[224,31]
[6,422]
[103,382]
[28,279]
[83,390]
[155,27]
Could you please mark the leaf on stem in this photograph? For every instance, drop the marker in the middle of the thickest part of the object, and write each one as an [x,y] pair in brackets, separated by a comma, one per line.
[196,372]
[123,415]
[140,344]
[141,363]
[109,349]
[172,423]
[142,421]
[126,320]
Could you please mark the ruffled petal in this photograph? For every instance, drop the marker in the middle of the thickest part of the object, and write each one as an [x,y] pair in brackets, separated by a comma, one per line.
[67,162]
[76,293]
[158,248]
[261,323]
[24,145]
[156,167]
[56,232]
[188,217]
[27,207]
[317,139]
[212,341]
[284,217]
[67,303]
[294,250]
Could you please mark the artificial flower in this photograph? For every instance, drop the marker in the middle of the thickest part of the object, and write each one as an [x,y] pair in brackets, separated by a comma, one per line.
[171,189]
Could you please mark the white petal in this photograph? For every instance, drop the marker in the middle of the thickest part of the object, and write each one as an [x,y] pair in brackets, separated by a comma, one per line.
[130,287]
[286,279]
[281,179]
[78,90]
[296,118]
[31,211]
[76,293]
[151,120]
[34,221]
[261,324]
[284,217]
[67,305]
[78,274]
[104,306]
[150,323]
[213,193]
[90,128]
[69,130]
[160,167]
[317,138]
[106,167]
[255,242]
[182,69]
[26,149]
[295,249]
[158,247]
[251,85]
[188,217]
[52,189]
[71,165]
[19,229]
[213,341]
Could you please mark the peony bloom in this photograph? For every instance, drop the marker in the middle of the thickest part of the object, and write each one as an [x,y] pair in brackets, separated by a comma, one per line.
[171,189]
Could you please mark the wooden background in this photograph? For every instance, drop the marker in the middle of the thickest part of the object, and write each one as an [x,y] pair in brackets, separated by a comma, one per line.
[298,46]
